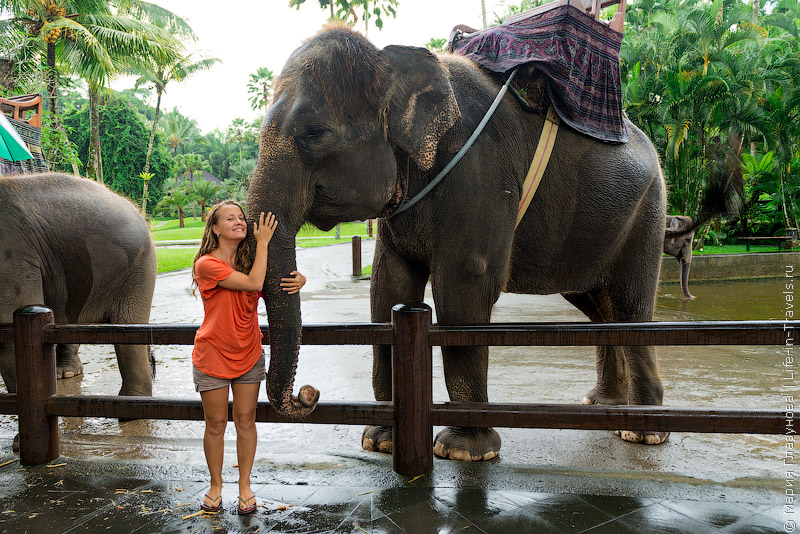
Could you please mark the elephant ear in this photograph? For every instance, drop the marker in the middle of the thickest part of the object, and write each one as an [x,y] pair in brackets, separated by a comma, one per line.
[420,105]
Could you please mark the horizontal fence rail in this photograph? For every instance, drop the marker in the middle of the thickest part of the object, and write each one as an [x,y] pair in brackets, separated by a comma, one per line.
[412,409]
[496,334]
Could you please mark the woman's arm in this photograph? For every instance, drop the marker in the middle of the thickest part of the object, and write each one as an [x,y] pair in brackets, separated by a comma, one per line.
[254,281]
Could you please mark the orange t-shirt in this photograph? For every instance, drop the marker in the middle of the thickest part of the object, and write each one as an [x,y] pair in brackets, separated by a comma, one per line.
[228,343]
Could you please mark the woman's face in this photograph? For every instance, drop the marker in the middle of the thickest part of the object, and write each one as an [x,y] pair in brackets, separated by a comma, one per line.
[231,223]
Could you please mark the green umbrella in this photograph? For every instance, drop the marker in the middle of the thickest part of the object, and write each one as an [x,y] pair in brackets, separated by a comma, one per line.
[12,147]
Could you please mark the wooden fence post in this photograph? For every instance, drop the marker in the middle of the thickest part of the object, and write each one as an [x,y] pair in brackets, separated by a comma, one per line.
[356,255]
[36,383]
[412,389]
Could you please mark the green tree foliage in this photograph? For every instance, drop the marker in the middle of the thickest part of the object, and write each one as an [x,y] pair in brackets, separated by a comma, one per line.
[177,199]
[351,10]
[123,139]
[190,164]
[245,137]
[696,74]
[436,45]
[260,88]
[205,193]
[180,131]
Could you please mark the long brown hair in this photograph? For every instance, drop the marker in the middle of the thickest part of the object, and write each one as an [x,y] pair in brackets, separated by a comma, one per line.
[210,242]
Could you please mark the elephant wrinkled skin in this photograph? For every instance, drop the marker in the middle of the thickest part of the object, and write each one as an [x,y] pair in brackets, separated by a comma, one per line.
[353,131]
[83,251]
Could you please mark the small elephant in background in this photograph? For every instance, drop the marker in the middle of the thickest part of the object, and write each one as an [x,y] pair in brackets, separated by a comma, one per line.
[681,247]
[84,252]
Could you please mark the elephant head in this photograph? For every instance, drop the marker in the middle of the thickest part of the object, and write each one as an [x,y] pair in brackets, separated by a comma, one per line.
[343,114]
[679,245]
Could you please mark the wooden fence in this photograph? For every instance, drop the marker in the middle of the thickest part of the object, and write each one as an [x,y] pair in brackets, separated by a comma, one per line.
[412,411]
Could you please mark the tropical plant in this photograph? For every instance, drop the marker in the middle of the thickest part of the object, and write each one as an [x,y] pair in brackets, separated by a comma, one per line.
[160,74]
[179,130]
[123,136]
[436,45]
[260,88]
[349,10]
[146,177]
[188,164]
[240,132]
[92,40]
[204,192]
[179,200]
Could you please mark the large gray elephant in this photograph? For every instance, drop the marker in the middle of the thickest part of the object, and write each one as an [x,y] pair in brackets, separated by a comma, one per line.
[354,131]
[680,247]
[82,251]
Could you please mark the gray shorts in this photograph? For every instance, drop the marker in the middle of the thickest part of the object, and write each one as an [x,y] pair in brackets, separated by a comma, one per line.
[203,382]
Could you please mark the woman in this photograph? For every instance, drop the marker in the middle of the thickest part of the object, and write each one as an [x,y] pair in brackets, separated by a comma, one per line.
[227,347]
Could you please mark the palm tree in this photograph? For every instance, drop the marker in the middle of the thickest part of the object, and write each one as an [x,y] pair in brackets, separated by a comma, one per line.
[190,164]
[239,132]
[260,86]
[179,130]
[204,192]
[220,153]
[160,74]
[93,42]
[178,199]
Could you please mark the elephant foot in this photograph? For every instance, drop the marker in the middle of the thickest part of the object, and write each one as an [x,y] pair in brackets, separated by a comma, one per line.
[593,397]
[377,439]
[645,438]
[74,367]
[467,444]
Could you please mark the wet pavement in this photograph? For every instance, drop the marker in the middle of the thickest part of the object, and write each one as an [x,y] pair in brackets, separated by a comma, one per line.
[149,476]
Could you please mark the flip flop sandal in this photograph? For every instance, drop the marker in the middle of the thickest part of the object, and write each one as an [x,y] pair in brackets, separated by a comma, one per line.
[247,510]
[210,508]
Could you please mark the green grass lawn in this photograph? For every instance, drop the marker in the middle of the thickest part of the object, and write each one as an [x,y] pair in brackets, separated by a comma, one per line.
[736,249]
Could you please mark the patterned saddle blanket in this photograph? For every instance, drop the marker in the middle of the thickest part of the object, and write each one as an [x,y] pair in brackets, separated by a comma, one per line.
[566,54]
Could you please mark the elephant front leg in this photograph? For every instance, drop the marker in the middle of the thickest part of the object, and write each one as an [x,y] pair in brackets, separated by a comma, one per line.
[393,282]
[68,364]
[465,371]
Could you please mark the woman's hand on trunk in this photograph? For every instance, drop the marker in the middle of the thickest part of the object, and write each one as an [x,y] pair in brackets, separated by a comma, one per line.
[294,283]
[264,228]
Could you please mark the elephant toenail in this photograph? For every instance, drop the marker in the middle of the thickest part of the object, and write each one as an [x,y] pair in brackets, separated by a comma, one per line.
[386,446]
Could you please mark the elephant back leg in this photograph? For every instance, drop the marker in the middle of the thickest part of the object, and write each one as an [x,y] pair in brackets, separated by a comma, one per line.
[393,281]
[632,290]
[20,285]
[132,306]
[612,378]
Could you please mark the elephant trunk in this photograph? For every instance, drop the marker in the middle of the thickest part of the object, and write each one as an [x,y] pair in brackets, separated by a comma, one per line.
[686,264]
[283,312]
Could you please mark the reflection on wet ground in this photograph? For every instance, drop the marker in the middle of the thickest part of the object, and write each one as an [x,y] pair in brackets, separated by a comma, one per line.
[41,502]
[544,480]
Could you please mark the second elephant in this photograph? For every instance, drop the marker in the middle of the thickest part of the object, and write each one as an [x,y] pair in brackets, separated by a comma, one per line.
[681,247]
[82,251]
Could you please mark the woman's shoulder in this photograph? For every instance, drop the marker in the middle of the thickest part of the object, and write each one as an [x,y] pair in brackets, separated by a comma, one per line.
[210,266]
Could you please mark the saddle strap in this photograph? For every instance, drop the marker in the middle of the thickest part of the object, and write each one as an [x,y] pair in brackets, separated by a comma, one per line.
[540,158]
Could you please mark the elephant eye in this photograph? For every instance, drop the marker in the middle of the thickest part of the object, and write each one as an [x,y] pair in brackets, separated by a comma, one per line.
[314,140]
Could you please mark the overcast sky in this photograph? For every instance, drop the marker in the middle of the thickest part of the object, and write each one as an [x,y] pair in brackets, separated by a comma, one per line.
[248,34]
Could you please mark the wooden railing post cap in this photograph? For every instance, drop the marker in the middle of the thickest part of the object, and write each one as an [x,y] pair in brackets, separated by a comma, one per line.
[31,310]
[411,307]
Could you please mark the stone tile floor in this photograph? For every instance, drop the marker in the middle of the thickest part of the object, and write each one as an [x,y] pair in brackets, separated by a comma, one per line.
[39,501]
